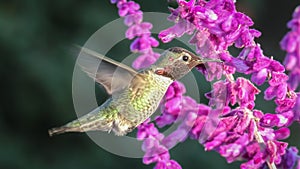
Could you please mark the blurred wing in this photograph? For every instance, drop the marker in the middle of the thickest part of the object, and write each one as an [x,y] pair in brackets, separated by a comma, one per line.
[112,75]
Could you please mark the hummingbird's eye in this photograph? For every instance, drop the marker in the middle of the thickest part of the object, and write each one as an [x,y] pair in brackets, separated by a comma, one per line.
[185,58]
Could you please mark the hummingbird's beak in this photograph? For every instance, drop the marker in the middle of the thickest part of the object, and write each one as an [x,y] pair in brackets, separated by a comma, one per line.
[204,60]
[198,61]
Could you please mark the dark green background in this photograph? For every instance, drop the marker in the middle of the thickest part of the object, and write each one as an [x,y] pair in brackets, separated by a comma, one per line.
[36,78]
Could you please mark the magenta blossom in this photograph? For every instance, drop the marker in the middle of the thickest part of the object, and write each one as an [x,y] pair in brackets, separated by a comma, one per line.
[139,30]
[155,152]
[291,44]
[231,125]
[216,26]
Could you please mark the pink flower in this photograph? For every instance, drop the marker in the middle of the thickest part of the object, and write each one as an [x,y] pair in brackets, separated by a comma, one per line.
[234,132]
[139,30]
[291,44]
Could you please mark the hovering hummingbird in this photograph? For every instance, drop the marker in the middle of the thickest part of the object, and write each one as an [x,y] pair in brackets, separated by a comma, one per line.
[135,95]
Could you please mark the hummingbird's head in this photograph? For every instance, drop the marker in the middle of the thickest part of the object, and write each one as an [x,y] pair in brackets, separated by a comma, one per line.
[177,62]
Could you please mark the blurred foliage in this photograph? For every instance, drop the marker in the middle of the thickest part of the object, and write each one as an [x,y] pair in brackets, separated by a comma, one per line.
[36,81]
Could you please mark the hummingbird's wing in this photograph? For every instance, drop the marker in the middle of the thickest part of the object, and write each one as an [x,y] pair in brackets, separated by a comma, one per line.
[112,75]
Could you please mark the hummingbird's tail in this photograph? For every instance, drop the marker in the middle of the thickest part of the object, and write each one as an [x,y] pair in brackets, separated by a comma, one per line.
[82,125]
[63,129]
[100,119]
[88,122]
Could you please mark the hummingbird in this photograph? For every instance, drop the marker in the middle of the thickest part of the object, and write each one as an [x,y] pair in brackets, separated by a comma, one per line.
[134,95]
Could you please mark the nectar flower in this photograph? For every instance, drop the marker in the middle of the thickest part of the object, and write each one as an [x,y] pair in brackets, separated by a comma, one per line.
[291,44]
[139,30]
[230,125]
[155,152]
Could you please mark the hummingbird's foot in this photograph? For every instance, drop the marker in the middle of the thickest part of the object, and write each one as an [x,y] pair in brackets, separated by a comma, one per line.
[122,126]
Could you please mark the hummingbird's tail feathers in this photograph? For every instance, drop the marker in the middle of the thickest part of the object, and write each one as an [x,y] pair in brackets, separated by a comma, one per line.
[97,126]
[99,119]
[63,129]
[83,125]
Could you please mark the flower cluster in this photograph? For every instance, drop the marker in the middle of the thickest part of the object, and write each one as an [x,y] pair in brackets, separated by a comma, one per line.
[240,131]
[180,109]
[143,42]
[220,18]
[155,151]
[291,44]
[172,106]
[230,125]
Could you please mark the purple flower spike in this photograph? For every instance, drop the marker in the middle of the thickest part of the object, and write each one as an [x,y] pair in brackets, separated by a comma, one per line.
[155,151]
[290,158]
[230,125]
[296,109]
[291,44]
[143,43]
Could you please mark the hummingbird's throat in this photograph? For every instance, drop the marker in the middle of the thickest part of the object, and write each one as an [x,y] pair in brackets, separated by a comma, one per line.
[165,73]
